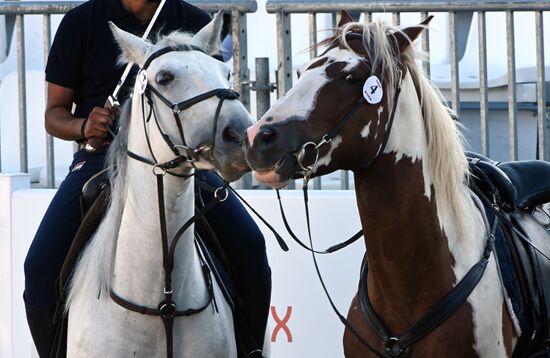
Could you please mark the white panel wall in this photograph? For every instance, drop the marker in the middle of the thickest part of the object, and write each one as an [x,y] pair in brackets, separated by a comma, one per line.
[8,184]
[310,329]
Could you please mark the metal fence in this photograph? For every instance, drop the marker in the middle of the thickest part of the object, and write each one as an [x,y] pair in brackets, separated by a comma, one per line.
[16,11]
[457,12]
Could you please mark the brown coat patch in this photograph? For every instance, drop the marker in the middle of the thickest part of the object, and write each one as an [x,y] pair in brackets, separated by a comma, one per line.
[409,261]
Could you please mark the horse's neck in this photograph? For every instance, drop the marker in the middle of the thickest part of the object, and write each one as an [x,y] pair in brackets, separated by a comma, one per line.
[411,245]
[407,251]
[138,270]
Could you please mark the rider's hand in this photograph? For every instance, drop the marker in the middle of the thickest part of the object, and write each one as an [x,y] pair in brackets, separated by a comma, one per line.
[95,127]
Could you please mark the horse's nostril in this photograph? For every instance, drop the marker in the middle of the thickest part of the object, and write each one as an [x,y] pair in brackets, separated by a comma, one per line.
[230,134]
[267,134]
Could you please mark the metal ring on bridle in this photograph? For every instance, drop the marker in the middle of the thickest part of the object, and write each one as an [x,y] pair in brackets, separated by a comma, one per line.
[393,347]
[157,167]
[192,155]
[217,194]
[302,154]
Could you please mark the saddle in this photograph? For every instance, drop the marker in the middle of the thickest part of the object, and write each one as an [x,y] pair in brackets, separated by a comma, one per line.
[513,192]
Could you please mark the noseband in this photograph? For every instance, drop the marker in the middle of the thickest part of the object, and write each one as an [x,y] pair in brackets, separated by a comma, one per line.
[183,153]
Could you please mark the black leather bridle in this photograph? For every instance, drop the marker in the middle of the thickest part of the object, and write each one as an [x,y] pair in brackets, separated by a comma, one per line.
[167,309]
[189,155]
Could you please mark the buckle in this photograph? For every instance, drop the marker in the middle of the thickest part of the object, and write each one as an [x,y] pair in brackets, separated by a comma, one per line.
[167,309]
[393,347]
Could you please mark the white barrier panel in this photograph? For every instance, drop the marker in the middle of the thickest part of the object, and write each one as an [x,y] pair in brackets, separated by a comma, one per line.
[8,184]
[301,321]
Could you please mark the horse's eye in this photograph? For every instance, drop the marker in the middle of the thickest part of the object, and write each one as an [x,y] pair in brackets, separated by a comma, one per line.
[228,75]
[352,78]
[298,74]
[164,78]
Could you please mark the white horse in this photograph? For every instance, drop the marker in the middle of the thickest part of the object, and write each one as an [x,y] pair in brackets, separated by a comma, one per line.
[125,256]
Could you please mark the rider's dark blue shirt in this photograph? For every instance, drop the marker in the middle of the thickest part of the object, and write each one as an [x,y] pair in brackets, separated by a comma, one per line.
[83,52]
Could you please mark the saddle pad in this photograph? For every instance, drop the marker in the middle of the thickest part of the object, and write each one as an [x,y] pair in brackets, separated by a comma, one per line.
[538,243]
[509,275]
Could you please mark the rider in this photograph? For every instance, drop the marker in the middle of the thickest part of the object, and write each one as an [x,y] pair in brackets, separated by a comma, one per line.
[82,69]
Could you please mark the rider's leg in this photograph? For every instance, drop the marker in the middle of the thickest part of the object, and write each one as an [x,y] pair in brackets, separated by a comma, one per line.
[49,249]
[244,246]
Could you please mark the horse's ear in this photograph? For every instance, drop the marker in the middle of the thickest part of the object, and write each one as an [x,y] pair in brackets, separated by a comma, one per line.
[408,35]
[133,48]
[345,18]
[208,38]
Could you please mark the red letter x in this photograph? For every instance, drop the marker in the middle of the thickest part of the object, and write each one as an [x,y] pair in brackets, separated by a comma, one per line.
[281,324]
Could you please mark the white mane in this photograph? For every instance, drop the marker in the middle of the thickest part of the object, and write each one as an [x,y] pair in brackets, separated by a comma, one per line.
[446,159]
[93,270]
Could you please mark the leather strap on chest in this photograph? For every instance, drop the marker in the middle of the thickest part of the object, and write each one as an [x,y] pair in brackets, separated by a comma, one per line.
[398,345]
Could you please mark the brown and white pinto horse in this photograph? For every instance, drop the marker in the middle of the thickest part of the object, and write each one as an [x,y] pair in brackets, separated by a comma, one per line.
[423,229]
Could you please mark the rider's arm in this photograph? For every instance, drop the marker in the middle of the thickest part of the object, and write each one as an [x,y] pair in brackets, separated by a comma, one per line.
[61,123]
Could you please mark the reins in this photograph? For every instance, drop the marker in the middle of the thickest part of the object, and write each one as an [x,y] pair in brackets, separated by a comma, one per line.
[167,308]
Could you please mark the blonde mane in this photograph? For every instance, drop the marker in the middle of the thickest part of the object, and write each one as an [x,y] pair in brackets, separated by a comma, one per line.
[447,162]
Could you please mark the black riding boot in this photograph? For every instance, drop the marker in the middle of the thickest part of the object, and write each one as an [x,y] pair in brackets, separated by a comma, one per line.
[40,320]
[256,304]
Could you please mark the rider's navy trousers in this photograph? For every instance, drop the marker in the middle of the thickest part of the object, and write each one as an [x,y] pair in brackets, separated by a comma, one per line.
[245,247]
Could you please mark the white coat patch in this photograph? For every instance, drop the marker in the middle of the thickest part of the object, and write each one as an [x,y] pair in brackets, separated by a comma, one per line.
[366,131]
[372,90]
